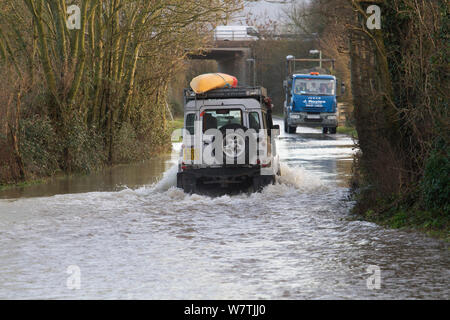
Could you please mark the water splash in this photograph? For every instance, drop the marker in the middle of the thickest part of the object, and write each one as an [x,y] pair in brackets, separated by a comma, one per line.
[292,178]
[168,180]
[299,178]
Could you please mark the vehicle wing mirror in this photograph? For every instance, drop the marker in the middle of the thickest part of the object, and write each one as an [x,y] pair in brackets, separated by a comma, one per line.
[342,88]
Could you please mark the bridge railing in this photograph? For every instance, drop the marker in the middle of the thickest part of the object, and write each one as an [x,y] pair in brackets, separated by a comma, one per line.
[233,35]
[243,35]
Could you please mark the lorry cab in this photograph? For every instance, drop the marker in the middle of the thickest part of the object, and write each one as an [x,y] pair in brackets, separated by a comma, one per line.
[311,96]
[311,102]
[314,93]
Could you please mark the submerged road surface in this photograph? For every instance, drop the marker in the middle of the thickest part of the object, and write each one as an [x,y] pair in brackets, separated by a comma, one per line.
[128,233]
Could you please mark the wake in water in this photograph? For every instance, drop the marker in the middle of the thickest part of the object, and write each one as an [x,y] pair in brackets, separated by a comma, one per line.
[291,178]
[299,178]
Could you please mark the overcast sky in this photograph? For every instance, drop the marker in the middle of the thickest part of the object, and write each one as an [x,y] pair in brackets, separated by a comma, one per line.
[265,8]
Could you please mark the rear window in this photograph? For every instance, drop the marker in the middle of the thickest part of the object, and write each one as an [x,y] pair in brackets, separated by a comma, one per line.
[216,119]
[189,124]
[253,121]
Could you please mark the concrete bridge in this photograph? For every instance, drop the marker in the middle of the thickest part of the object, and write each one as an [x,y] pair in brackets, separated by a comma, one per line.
[234,58]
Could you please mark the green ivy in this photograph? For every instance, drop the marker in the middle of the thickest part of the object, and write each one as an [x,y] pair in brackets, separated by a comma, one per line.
[435,184]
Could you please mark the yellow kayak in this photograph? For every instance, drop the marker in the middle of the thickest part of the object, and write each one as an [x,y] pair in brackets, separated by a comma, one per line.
[210,81]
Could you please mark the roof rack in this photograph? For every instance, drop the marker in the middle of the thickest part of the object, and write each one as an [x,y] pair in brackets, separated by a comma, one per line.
[258,93]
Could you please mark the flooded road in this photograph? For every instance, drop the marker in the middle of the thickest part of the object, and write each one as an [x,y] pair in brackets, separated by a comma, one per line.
[130,234]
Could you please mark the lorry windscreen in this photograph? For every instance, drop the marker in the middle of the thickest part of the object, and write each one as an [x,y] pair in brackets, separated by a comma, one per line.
[317,87]
[216,119]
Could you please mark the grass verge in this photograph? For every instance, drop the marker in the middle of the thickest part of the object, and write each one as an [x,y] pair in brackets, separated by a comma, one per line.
[434,223]
[348,131]
[22,184]
[177,123]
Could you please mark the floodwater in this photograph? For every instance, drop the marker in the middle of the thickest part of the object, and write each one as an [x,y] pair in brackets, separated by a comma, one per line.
[129,233]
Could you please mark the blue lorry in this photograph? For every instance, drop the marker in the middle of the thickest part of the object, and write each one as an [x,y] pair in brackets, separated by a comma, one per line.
[311,97]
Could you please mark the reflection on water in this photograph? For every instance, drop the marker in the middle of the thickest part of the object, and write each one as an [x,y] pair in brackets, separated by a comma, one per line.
[330,157]
[110,179]
[153,241]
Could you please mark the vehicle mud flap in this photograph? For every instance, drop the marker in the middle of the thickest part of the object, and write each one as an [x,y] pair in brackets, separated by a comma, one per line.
[259,182]
[179,180]
[247,151]
[187,182]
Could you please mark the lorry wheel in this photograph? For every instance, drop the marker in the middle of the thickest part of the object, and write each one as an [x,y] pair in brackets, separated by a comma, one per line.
[325,130]
[292,129]
[333,130]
